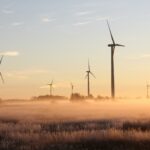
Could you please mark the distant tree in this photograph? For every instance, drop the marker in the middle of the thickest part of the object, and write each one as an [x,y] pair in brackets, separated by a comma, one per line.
[99,97]
[77,96]
[49,97]
[90,96]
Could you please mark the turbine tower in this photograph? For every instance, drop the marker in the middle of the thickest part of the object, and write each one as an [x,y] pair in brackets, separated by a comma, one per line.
[51,87]
[0,72]
[88,72]
[112,46]
[72,89]
[147,86]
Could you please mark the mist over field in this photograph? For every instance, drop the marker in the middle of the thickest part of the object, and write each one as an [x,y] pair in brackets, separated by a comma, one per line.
[64,110]
[63,124]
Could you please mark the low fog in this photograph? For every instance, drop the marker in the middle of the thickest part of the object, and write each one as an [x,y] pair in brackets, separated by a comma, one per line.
[56,111]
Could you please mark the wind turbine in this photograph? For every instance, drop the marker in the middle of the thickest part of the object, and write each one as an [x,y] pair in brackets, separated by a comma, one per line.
[0,72]
[72,89]
[147,86]
[51,86]
[88,73]
[112,46]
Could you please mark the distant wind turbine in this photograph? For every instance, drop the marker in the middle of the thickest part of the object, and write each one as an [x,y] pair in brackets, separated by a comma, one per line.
[0,72]
[51,87]
[147,86]
[113,46]
[88,79]
[72,89]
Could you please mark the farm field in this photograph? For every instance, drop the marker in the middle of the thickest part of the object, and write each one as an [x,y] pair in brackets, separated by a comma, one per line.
[44,125]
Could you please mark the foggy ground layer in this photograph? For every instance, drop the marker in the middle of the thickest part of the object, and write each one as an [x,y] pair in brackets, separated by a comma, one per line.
[65,110]
[64,125]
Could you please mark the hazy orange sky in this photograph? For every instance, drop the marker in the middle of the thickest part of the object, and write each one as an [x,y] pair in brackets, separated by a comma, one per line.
[47,39]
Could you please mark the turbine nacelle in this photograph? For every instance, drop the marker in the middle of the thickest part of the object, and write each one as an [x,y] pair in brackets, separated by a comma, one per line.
[114,45]
[112,38]
[88,73]
[51,84]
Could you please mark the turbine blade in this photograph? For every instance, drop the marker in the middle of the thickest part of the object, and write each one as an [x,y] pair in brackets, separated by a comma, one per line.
[88,65]
[2,77]
[120,45]
[1,59]
[92,75]
[86,76]
[52,82]
[110,33]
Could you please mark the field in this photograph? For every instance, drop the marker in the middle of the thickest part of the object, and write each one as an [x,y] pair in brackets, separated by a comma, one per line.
[64,125]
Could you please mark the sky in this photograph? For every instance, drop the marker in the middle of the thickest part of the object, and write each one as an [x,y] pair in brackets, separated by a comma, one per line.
[45,40]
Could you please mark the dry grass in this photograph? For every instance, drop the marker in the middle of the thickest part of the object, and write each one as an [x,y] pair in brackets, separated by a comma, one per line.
[30,136]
